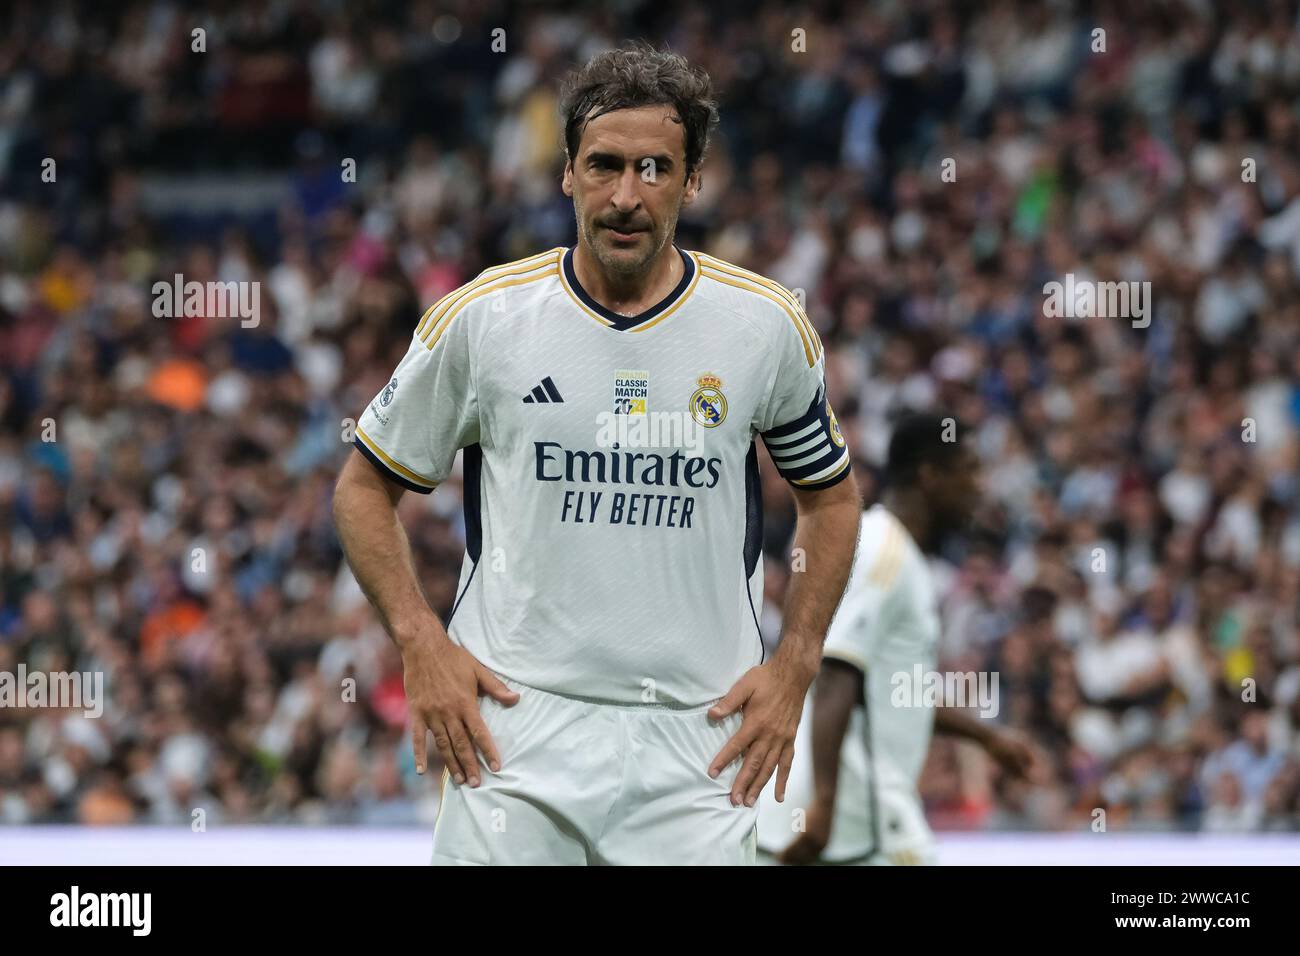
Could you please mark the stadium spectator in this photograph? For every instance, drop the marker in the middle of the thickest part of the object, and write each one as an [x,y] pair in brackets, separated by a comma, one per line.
[918,173]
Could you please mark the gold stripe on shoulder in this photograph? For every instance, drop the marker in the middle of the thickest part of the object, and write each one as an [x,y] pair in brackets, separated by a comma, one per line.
[735,270]
[425,318]
[472,291]
[719,277]
[900,552]
[886,565]
[484,278]
[496,271]
[455,308]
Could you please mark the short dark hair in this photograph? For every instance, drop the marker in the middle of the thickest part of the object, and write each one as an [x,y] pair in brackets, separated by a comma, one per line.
[918,439]
[634,76]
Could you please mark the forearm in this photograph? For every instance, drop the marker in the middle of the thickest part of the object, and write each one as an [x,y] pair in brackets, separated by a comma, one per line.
[826,533]
[956,722]
[379,552]
[837,689]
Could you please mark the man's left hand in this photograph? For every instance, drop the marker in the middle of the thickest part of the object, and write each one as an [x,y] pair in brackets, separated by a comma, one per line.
[771,697]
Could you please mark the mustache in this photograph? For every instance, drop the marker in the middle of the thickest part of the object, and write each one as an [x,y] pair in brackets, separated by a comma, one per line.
[630,225]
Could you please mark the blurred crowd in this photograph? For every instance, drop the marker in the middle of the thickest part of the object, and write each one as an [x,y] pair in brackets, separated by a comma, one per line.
[919,170]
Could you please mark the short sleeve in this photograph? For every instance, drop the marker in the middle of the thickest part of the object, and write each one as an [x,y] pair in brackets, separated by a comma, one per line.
[856,628]
[428,409]
[797,423]
[850,636]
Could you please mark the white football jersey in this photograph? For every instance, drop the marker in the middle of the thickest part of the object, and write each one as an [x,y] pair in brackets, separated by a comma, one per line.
[887,625]
[611,474]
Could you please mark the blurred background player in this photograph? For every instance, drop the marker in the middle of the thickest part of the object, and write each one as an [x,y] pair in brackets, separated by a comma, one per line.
[852,796]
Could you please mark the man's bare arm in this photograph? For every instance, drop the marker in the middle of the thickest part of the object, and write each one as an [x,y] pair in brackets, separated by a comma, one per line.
[772,694]
[377,549]
[837,691]
[442,680]
[826,533]
[1011,751]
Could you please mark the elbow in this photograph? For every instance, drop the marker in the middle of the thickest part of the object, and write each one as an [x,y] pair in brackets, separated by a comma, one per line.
[852,494]
[343,489]
[339,503]
[848,500]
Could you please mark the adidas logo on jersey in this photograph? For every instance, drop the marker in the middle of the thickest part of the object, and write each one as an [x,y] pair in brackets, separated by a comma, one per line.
[543,393]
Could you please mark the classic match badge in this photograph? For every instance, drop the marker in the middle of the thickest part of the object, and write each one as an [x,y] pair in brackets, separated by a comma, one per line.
[631,392]
[708,404]
[836,435]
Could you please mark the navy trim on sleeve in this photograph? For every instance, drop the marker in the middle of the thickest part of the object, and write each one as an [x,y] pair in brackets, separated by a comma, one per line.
[388,472]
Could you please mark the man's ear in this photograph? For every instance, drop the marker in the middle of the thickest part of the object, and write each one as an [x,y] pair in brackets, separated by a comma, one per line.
[693,184]
[925,477]
[566,181]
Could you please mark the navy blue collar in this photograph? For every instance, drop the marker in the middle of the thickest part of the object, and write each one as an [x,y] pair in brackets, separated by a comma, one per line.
[625,322]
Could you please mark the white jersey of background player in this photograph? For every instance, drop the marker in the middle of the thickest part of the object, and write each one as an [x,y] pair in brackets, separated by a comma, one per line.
[887,623]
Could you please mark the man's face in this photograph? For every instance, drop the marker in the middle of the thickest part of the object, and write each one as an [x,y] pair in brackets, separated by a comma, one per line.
[953,490]
[628,182]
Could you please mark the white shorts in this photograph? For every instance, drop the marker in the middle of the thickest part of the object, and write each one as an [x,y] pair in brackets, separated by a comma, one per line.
[596,783]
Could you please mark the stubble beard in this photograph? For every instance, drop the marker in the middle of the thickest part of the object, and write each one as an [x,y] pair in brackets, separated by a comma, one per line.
[619,265]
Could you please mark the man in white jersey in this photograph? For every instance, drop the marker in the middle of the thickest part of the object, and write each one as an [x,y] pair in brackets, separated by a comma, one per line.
[607,398]
[852,796]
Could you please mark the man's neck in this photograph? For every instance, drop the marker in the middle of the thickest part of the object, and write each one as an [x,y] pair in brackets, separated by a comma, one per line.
[628,295]
[911,513]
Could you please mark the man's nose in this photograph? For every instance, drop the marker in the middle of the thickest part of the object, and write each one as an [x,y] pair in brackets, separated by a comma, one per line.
[627,197]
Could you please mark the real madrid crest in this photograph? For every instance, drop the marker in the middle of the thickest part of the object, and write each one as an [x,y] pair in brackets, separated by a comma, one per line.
[708,404]
[387,397]
[836,435]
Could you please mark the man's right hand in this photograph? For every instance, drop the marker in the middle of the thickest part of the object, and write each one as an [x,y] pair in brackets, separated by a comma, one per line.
[443,682]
